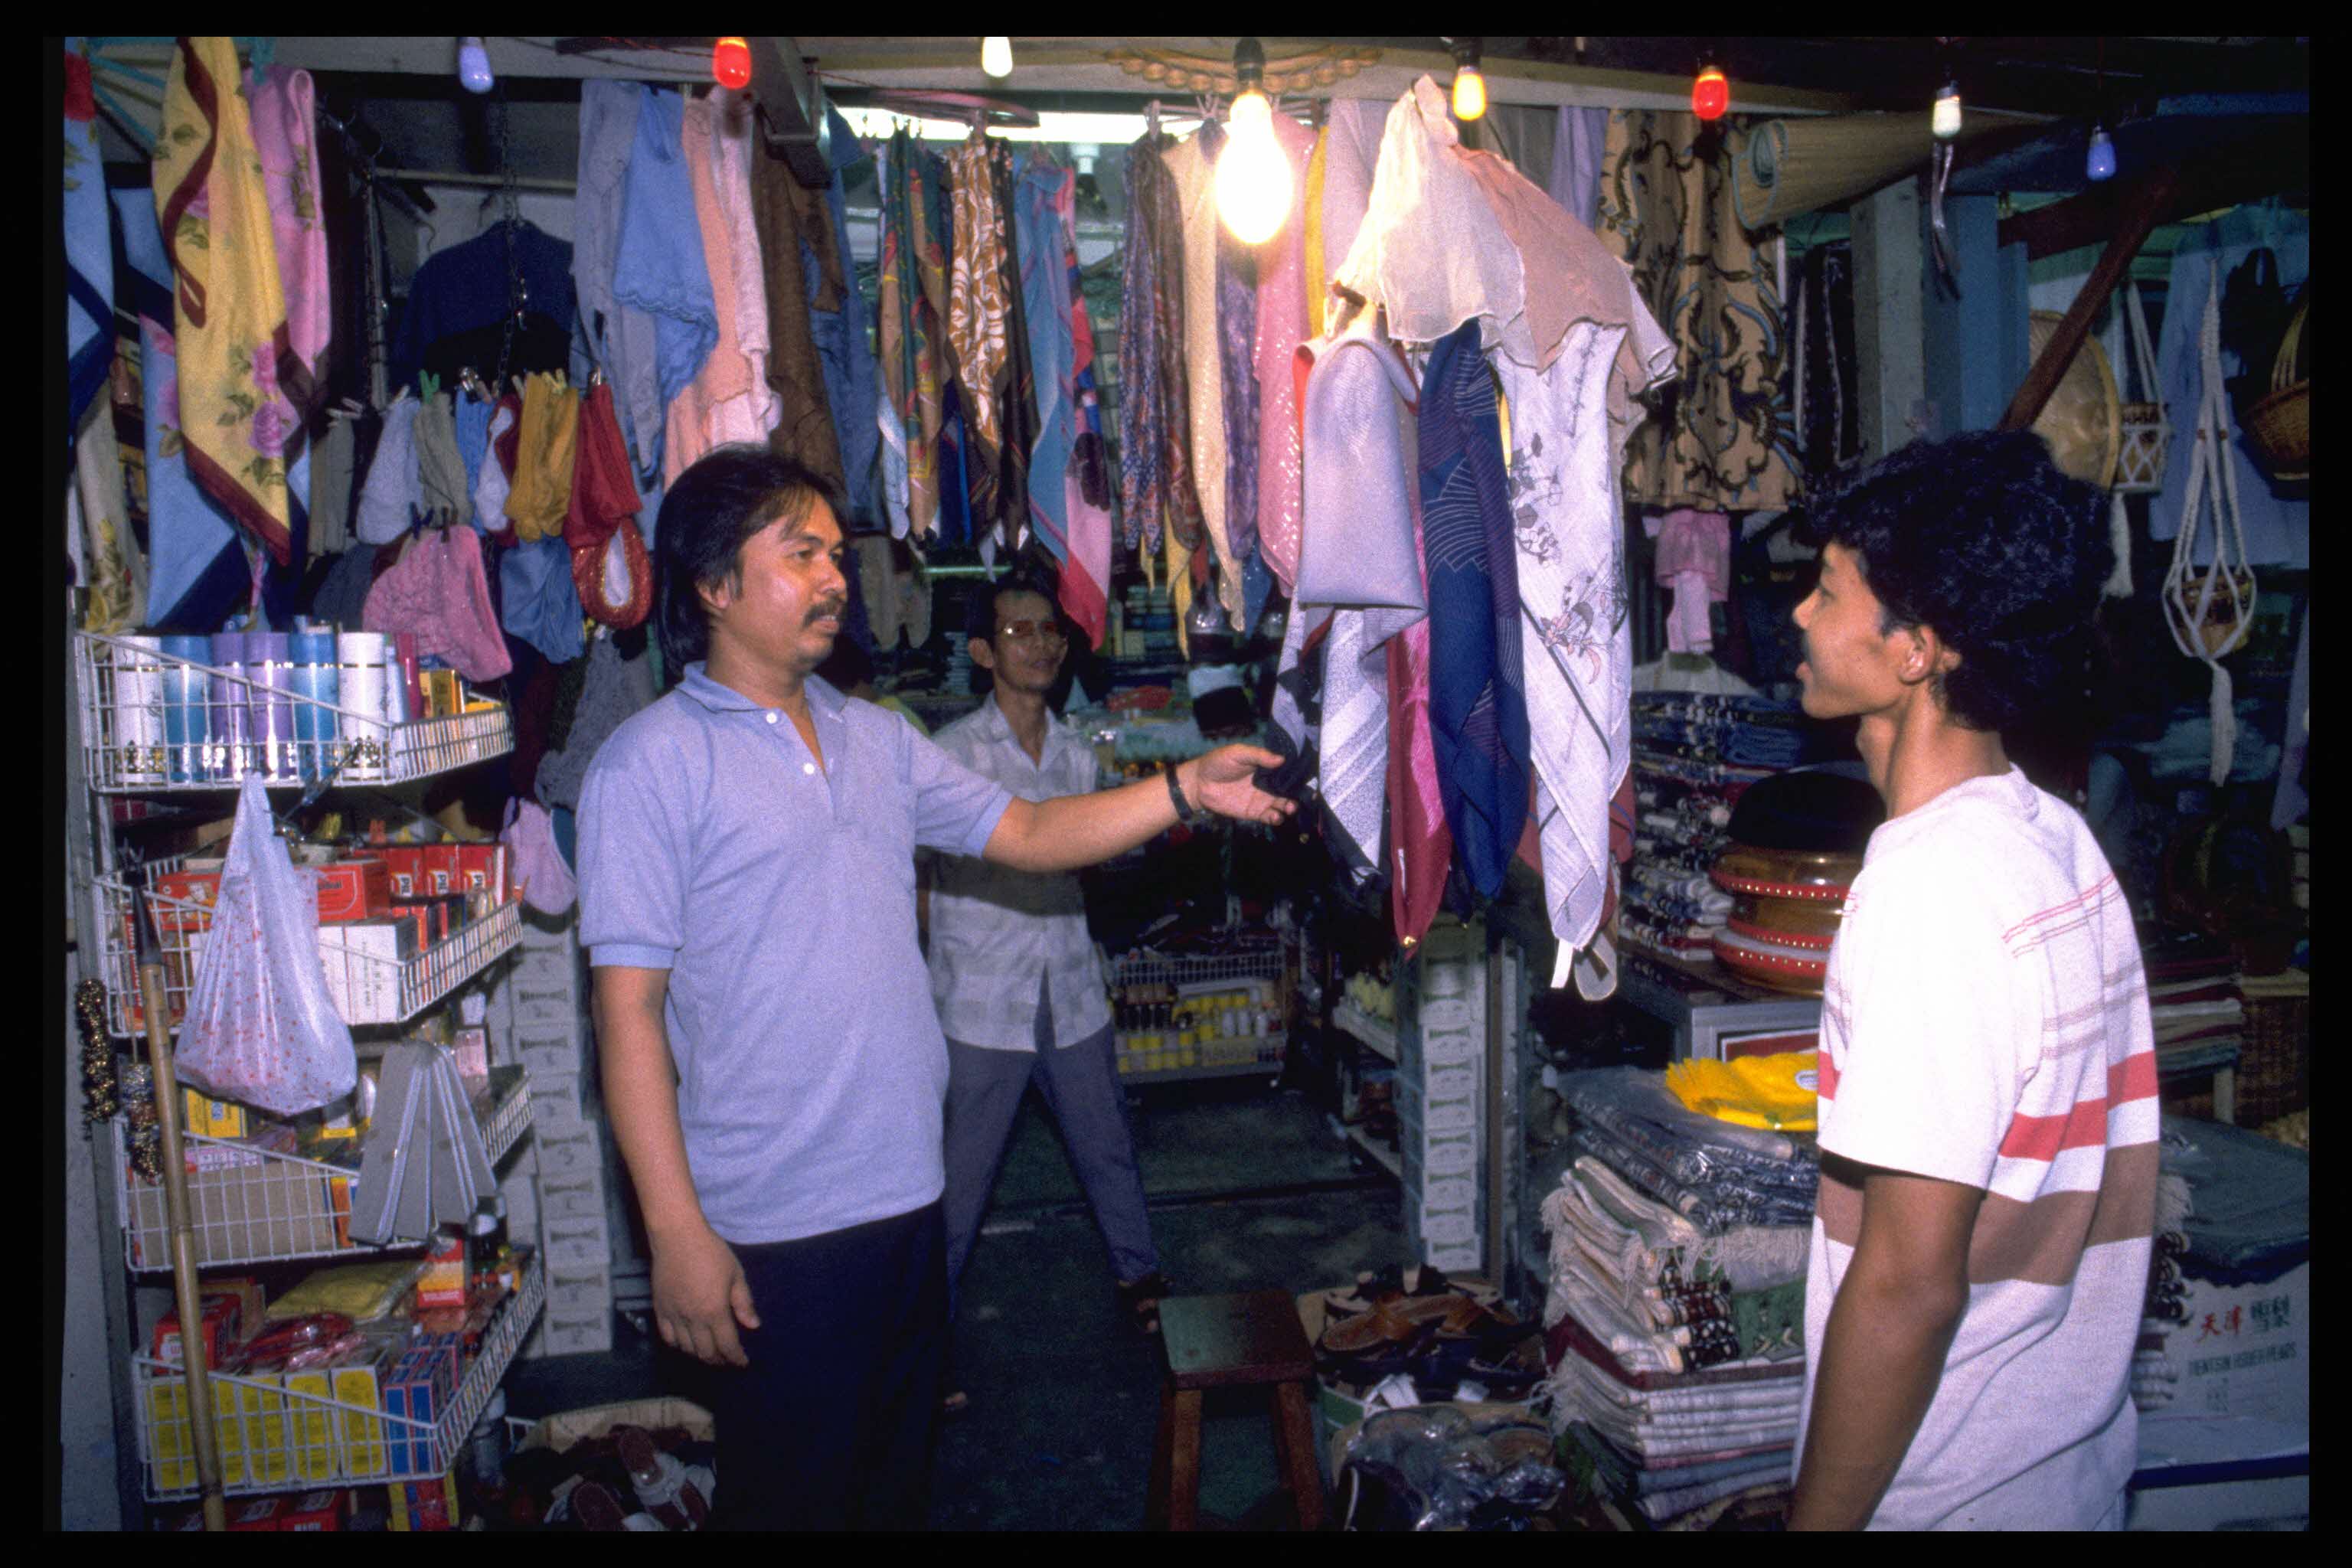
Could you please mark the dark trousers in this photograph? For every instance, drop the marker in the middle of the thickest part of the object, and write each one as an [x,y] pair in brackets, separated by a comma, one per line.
[831,1426]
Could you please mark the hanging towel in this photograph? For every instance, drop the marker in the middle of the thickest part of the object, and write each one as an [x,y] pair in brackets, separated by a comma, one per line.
[1351,152]
[1318,276]
[100,526]
[389,496]
[1156,489]
[1281,327]
[717,405]
[732,117]
[544,454]
[658,265]
[620,337]
[1478,718]
[1192,163]
[213,208]
[789,219]
[90,253]
[442,491]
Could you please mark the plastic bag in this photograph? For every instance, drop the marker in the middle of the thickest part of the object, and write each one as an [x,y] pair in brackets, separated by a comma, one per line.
[260,1027]
[548,885]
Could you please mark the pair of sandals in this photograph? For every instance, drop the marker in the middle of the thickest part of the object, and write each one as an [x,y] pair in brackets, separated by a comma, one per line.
[670,1495]
[1434,1330]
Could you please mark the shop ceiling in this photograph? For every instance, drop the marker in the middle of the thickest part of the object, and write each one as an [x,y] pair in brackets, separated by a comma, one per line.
[2161,97]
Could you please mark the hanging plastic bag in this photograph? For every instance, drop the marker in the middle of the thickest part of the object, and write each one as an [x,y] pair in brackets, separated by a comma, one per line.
[547,881]
[260,1026]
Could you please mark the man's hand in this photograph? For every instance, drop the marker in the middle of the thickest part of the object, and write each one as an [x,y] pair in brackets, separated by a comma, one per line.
[699,1295]
[1225,782]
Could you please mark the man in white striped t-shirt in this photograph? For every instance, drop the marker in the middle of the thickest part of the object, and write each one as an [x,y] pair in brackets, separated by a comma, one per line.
[1988,1075]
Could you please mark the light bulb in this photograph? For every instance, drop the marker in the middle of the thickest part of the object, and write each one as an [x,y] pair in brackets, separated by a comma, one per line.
[730,63]
[996,56]
[2101,165]
[1711,93]
[1945,122]
[474,65]
[1469,93]
[1253,174]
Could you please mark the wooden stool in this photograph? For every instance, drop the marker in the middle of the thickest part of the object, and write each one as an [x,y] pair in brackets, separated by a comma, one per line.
[1232,1341]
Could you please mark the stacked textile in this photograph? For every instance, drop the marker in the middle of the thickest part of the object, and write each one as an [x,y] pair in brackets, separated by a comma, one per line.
[1674,1316]
[2196,1002]
[1694,754]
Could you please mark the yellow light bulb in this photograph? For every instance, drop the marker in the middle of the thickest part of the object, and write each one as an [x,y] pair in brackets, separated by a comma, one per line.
[996,56]
[1469,93]
[1253,174]
[1945,123]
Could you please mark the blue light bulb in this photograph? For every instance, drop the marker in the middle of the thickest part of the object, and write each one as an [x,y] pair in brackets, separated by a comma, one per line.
[2101,165]
[474,65]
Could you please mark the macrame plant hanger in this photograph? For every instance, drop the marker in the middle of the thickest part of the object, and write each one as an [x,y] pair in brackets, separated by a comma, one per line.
[2210,610]
[2146,436]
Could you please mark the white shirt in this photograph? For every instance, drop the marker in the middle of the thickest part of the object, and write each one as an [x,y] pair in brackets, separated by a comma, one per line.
[993,929]
[1986,1022]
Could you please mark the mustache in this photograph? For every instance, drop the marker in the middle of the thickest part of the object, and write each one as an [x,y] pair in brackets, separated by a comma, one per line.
[836,608]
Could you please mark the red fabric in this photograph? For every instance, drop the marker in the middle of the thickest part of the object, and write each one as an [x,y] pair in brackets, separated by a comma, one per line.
[81,103]
[603,490]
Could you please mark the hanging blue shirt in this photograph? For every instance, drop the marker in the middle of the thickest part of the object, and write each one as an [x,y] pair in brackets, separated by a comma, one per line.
[843,350]
[659,266]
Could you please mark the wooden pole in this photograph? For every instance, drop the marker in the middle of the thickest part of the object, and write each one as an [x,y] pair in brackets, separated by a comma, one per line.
[204,1438]
[2135,218]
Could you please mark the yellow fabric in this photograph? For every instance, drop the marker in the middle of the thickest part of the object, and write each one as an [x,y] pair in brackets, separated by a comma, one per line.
[1775,1092]
[1180,586]
[1318,280]
[546,438]
[230,316]
[360,1291]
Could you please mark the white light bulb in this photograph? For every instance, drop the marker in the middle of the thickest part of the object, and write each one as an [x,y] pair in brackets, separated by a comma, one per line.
[1252,173]
[996,56]
[1945,120]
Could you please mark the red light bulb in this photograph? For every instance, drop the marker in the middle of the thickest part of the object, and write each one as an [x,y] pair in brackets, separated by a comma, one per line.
[730,63]
[1710,94]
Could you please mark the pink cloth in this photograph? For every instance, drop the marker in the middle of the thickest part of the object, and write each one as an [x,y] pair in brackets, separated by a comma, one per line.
[1281,328]
[726,377]
[437,591]
[1694,561]
[1421,846]
[285,128]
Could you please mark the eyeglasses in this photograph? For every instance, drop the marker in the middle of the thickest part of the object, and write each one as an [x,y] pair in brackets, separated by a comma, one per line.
[1031,631]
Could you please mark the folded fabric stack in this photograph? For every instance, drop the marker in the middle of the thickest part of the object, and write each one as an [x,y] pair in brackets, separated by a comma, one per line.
[1674,1316]
[2196,1002]
[1694,754]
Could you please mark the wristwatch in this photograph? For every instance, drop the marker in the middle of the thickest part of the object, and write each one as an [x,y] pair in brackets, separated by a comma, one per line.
[1184,812]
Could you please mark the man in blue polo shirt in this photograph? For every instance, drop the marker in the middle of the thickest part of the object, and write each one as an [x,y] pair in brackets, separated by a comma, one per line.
[772,1062]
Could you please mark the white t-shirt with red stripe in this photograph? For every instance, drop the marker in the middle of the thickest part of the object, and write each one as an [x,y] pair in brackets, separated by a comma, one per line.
[1985,1021]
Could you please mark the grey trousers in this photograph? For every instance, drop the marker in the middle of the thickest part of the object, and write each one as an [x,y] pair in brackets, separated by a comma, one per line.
[1080,1083]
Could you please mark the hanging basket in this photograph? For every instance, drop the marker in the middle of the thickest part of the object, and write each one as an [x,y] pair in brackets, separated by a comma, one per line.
[2278,428]
[2221,627]
[2145,433]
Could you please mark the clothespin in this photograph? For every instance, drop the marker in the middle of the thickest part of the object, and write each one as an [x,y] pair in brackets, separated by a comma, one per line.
[1152,117]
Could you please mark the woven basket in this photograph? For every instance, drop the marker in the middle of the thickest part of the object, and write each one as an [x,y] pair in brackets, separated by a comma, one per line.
[2139,464]
[2274,1066]
[2279,427]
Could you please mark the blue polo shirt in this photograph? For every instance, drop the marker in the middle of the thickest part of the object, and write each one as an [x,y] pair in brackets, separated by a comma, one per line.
[780,895]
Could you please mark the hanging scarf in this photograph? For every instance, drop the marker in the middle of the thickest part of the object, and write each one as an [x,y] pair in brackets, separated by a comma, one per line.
[784,212]
[914,314]
[1084,588]
[1154,439]
[1018,411]
[978,312]
[89,255]
[1281,328]
[1193,162]
[1044,297]
[285,124]
[213,206]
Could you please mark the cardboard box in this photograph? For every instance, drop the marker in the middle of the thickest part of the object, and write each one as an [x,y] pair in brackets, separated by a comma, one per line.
[2245,1349]
[360,1432]
[362,962]
[312,1511]
[405,870]
[357,889]
[254,1513]
[310,1425]
[174,1447]
[269,1439]
[426,1505]
[579,1241]
[547,1060]
[420,1388]
[443,1283]
[579,1333]
[210,1117]
[223,1327]
[535,1011]
[561,1157]
[439,865]
[575,1193]
[482,866]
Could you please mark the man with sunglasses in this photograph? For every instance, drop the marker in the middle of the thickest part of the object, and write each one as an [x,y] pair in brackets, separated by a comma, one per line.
[1020,993]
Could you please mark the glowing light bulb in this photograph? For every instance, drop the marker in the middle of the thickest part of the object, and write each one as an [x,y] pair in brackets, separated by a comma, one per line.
[1253,174]
[1945,120]
[1711,93]
[996,56]
[730,63]
[2101,165]
[474,65]
[1469,93]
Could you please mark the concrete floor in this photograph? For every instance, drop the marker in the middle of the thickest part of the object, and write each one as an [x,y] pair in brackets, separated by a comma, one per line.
[1251,1189]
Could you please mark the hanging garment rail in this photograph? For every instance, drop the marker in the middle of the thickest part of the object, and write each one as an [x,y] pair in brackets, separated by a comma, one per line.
[439,177]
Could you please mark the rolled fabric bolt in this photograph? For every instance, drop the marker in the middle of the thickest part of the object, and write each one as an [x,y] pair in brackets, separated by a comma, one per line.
[228,746]
[187,688]
[317,677]
[269,715]
[365,686]
[139,710]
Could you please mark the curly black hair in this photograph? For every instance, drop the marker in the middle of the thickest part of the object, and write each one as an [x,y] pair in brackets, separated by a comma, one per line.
[1981,538]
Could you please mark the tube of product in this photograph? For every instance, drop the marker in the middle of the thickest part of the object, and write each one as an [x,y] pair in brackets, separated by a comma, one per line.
[315,676]
[268,662]
[411,672]
[229,744]
[139,710]
[365,685]
[187,687]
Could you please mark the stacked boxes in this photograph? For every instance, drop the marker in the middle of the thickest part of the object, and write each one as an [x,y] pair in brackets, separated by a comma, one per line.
[558,1186]
[1441,1097]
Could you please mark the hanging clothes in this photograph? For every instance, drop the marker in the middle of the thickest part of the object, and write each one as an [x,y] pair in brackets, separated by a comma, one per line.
[844,349]
[732,123]
[1018,409]
[658,265]
[90,252]
[1085,585]
[213,209]
[609,564]
[1281,327]
[1156,489]
[545,450]
[718,404]
[1829,380]
[618,337]
[538,602]
[97,527]
[785,211]
[442,494]
[285,127]
[472,424]
[1693,559]
[1478,716]
[1038,193]
[455,318]
[388,494]
[1580,140]
[1726,440]
[1351,151]
[979,317]
[916,354]
[1192,163]
[1317,274]
[496,477]
[1237,269]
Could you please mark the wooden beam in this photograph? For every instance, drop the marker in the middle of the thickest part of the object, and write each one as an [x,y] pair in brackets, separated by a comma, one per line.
[2246,169]
[2142,201]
